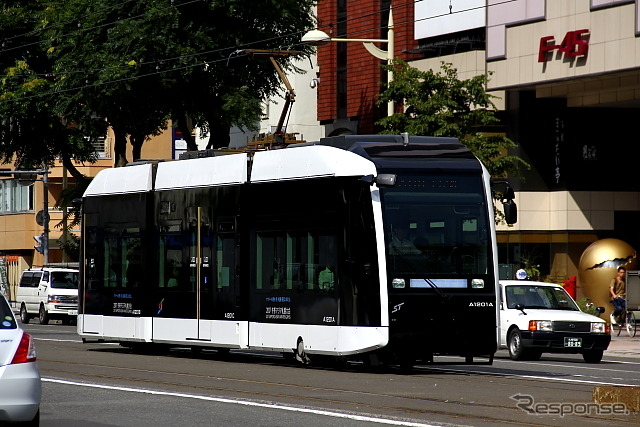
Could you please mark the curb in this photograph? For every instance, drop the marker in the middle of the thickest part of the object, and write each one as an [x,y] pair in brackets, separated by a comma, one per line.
[626,395]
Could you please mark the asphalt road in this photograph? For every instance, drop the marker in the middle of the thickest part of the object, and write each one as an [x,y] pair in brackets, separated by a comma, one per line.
[93,384]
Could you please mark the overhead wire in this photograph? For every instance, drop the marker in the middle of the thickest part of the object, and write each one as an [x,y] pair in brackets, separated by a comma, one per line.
[34,32]
[219,50]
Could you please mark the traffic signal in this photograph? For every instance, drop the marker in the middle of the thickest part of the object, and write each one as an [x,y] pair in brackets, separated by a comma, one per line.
[42,241]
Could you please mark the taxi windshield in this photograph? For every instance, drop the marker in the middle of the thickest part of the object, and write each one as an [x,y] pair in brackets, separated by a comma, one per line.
[542,297]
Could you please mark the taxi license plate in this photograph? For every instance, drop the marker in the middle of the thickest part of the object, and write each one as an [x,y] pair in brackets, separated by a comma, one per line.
[72,312]
[572,342]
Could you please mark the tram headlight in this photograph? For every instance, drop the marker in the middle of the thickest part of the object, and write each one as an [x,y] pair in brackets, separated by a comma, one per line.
[398,284]
[477,283]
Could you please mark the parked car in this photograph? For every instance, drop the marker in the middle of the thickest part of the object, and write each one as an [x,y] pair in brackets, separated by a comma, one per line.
[20,386]
[48,293]
[538,318]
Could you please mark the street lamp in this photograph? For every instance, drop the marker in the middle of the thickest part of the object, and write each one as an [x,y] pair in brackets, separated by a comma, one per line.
[319,38]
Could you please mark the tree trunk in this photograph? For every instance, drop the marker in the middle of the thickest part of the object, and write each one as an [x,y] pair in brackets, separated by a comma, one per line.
[184,124]
[120,149]
[218,132]
[71,168]
[136,142]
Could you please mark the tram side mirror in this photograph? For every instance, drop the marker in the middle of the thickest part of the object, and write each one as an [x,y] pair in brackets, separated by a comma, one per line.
[510,211]
[382,180]
[509,194]
[600,310]
[509,205]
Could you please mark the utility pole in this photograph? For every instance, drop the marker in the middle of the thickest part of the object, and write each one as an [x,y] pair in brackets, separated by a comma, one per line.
[45,212]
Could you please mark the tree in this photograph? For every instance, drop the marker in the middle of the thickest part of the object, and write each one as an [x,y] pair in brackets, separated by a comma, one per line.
[32,133]
[136,64]
[440,104]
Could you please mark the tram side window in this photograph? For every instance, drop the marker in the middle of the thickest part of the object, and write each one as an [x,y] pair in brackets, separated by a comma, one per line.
[132,253]
[171,257]
[300,261]
[225,260]
[122,258]
[113,267]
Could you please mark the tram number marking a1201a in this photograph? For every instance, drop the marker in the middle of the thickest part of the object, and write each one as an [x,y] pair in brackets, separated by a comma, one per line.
[480,304]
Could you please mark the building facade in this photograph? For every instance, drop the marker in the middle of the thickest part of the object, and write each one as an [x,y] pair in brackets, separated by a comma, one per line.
[22,204]
[567,79]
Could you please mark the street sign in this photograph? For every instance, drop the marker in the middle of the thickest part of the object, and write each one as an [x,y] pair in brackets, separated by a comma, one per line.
[41,218]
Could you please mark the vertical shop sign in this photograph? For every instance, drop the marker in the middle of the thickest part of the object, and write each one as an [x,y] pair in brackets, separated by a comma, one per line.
[4,283]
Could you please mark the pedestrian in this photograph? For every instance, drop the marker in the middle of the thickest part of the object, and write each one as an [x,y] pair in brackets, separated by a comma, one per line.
[617,289]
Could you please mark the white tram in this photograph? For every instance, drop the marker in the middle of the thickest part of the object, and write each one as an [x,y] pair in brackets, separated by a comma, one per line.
[379,247]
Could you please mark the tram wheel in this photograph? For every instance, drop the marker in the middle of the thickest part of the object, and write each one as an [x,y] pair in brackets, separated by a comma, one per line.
[406,365]
[592,356]
[301,356]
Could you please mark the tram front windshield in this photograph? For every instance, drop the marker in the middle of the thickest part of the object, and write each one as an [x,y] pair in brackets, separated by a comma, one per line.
[436,226]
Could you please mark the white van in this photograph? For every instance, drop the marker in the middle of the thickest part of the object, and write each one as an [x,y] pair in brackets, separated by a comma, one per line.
[49,293]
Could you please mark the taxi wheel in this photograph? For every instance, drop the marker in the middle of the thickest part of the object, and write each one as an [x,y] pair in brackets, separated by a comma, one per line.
[593,356]
[516,349]
[534,354]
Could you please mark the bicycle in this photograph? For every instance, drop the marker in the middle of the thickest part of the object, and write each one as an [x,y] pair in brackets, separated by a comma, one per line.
[629,323]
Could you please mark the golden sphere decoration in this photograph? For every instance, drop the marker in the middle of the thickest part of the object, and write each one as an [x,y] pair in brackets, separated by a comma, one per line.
[599,265]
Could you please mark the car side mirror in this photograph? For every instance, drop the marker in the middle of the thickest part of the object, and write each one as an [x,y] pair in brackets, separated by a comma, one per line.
[520,307]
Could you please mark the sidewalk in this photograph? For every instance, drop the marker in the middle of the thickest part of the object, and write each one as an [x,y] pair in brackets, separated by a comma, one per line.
[624,345]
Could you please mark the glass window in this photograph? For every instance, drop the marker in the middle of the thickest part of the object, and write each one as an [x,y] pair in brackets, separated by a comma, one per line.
[15,197]
[225,260]
[64,280]
[7,319]
[296,260]
[540,297]
[26,279]
[436,225]
[171,265]
[122,258]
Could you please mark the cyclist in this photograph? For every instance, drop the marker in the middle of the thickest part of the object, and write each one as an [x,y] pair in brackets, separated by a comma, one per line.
[617,290]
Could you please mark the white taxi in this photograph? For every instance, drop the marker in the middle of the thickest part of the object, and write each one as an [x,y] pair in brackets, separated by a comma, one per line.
[537,317]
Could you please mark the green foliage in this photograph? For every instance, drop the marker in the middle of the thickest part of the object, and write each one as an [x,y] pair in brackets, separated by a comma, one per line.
[440,104]
[71,68]
[71,247]
[587,306]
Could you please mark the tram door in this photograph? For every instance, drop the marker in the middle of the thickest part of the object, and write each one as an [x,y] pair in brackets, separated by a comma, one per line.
[200,272]
[227,298]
